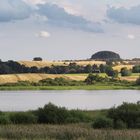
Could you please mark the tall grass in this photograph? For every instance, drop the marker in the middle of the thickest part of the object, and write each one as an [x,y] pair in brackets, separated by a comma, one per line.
[65,132]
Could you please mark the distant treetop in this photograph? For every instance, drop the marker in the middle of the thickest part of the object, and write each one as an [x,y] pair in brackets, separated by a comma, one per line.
[106,55]
[37,59]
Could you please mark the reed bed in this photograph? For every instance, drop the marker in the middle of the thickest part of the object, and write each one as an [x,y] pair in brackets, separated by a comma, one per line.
[64,132]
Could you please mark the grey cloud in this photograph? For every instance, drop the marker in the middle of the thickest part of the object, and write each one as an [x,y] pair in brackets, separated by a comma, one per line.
[123,15]
[13,10]
[18,10]
[59,17]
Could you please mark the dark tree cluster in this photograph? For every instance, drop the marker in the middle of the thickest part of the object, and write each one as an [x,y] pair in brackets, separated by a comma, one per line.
[125,116]
[11,67]
[106,55]
[136,69]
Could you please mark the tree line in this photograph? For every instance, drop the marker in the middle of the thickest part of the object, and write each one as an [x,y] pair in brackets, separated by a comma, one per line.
[12,67]
[125,116]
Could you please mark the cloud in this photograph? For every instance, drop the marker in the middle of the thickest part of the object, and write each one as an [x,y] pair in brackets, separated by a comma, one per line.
[13,10]
[131,36]
[59,17]
[123,15]
[43,34]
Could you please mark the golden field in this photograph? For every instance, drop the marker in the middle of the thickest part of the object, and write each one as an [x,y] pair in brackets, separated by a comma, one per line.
[119,67]
[35,77]
[13,78]
[41,64]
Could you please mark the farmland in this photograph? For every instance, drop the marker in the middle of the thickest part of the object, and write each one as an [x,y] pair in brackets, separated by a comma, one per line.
[35,77]
[41,64]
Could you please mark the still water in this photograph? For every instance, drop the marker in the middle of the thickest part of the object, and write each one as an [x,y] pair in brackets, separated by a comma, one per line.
[71,99]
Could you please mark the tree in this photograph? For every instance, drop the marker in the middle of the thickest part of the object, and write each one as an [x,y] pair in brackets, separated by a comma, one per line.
[136,69]
[138,81]
[125,72]
[88,69]
[110,72]
[106,55]
[127,113]
[37,59]
[91,79]
[102,68]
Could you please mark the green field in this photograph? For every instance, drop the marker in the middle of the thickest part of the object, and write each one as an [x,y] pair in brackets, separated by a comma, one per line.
[85,87]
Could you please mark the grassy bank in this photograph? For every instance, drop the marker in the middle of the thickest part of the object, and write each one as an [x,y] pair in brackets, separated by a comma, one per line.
[85,87]
[57,123]
[64,132]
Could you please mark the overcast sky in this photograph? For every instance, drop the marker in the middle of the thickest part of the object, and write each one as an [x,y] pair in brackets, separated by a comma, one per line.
[68,29]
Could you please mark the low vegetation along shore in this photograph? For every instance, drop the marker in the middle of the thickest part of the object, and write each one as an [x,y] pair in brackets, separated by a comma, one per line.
[58,123]
[91,82]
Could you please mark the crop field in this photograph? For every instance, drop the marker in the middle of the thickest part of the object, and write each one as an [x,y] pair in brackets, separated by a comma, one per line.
[132,77]
[13,78]
[119,67]
[64,132]
[40,64]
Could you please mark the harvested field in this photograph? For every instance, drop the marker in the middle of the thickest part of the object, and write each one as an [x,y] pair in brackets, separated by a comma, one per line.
[13,78]
[41,64]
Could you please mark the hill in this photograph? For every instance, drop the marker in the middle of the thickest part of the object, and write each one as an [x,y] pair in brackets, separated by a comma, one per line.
[106,55]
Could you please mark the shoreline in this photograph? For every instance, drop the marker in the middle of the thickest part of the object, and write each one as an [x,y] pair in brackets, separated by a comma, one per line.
[87,87]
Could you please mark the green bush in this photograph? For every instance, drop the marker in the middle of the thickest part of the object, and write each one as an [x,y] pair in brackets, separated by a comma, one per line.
[52,114]
[102,122]
[78,116]
[125,72]
[128,113]
[92,79]
[138,81]
[4,119]
[59,82]
[110,72]
[23,118]
[119,124]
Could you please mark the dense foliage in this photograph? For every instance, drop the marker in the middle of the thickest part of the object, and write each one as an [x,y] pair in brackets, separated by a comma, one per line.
[102,122]
[138,81]
[12,67]
[125,116]
[136,69]
[128,113]
[125,72]
[37,59]
[59,115]
[49,114]
[106,55]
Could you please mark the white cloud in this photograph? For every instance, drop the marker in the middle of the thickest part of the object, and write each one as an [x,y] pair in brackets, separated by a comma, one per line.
[43,34]
[131,36]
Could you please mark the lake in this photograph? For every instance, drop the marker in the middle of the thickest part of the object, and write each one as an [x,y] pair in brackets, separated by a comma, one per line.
[71,99]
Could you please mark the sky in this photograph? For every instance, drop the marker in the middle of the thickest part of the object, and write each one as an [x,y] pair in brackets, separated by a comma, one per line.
[68,29]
